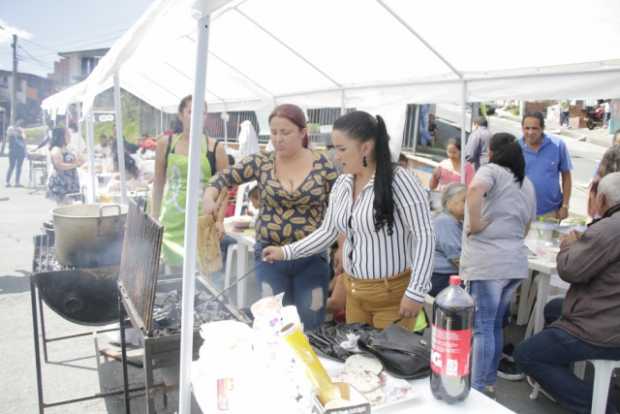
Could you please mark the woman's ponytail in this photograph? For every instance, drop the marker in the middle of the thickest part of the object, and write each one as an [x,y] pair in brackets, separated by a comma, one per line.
[384,175]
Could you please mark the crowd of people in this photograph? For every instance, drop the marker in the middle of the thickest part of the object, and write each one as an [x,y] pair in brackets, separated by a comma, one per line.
[392,250]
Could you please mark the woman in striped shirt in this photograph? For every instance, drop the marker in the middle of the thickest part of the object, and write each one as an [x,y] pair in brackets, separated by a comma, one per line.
[383,212]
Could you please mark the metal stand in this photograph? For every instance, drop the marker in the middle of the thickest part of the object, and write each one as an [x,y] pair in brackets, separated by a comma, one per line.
[37,183]
[158,352]
[44,339]
[35,301]
[121,319]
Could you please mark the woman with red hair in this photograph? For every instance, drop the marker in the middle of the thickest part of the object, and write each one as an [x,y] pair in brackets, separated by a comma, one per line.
[294,183]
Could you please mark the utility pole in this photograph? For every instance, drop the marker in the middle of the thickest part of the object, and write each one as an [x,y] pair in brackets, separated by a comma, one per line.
[14,81]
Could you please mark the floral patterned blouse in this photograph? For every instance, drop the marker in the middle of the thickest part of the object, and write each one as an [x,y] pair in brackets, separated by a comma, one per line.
[284,217]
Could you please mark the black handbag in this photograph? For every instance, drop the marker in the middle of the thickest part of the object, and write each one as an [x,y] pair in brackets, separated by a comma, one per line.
[403,353]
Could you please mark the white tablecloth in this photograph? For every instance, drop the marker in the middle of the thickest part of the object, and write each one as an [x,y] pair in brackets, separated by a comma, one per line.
[424,402]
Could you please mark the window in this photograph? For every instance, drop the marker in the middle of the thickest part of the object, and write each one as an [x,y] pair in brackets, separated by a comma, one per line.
[88,64]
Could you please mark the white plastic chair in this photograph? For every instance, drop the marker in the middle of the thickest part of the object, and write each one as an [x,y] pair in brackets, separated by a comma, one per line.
[241,199]
[231,257]
[603,370]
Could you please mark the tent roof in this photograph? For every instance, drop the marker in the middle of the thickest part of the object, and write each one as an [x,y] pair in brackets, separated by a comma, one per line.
[383,50]
[365,53]
[58,102]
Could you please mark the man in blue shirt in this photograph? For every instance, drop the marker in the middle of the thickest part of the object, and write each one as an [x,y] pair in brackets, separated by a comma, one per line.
[546,160]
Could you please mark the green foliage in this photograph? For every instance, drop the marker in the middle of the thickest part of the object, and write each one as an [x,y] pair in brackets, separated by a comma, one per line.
[513,109]
[103,128]
[131,120]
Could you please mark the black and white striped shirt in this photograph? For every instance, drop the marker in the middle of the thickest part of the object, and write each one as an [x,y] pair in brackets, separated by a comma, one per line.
[371,254]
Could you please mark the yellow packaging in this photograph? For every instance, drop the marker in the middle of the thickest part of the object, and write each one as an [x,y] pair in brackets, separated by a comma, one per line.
[296,339]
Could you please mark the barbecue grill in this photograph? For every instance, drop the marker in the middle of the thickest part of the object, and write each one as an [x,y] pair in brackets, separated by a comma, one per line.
[82,296]
[133,290]
[153,305]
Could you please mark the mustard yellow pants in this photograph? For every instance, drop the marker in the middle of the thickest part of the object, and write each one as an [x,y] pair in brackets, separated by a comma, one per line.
[377,302]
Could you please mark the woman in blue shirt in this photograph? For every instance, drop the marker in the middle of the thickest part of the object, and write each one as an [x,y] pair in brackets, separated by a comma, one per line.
[449,229]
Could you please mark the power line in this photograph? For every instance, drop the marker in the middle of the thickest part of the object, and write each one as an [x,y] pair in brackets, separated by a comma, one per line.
[30,55]
[38,45]
[41,65]
[108,36]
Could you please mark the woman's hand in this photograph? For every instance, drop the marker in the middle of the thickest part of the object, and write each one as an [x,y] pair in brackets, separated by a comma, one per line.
[409,308]
[219,229]
[209,202]
[338,266]
[273,254]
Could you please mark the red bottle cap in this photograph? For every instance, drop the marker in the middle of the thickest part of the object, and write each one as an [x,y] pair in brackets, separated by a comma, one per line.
[455,280]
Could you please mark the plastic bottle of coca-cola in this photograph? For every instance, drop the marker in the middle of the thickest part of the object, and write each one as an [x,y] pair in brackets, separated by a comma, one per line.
[453,316]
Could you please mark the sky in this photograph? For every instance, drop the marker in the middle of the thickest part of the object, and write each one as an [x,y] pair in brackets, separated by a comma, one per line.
[45,27]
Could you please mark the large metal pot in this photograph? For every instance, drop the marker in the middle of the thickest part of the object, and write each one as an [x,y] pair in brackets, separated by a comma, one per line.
[89,235]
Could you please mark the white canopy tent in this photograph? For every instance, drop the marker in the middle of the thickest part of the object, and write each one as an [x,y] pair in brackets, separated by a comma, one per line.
[58,103]
[367,54]
[375,55]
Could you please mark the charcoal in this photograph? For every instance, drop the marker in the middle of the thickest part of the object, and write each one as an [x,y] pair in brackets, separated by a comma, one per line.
[167,311]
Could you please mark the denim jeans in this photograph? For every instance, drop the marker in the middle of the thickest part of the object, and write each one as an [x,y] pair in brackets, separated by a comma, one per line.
[304,282]
[553,310]
[547,357]
[15,163]
[491,298]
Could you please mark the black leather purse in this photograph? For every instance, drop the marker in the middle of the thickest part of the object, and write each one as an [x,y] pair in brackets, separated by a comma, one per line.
[403,354]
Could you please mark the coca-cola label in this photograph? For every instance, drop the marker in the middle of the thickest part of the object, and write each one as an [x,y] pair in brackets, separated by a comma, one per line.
[224,393]
[450,352]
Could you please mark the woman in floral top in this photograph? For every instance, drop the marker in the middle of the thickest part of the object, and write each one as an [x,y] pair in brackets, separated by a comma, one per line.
[294,184]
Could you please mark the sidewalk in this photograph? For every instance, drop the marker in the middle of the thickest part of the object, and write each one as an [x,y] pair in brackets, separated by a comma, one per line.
[597,136]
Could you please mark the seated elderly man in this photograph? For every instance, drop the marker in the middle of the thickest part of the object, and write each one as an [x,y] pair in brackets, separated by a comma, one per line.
[589,327]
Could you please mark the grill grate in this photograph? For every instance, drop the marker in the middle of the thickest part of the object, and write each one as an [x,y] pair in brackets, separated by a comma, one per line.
[140,265]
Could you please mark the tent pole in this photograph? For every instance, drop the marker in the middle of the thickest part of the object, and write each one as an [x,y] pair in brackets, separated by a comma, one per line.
[90,145]
[416,127]
[191,215]
[343,104]
[463,132]
[120,142]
